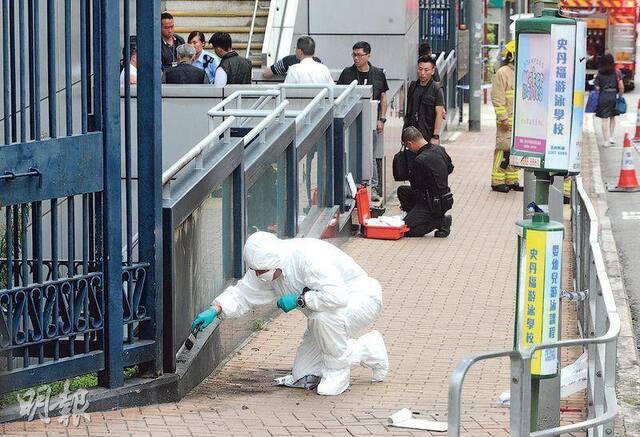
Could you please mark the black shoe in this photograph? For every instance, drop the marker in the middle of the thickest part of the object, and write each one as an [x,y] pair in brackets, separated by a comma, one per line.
[502,188]
[446,229]
[516,187]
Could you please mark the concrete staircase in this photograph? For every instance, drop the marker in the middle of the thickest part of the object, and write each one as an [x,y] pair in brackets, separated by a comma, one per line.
[231,16]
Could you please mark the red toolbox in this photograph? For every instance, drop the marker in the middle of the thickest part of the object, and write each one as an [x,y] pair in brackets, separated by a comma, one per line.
[377,232]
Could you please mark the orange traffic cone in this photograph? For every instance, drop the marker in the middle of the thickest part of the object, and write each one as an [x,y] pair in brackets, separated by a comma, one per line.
[636,136]
[627,180]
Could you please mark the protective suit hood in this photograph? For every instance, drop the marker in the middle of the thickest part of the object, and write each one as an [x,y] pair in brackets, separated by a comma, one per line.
[264,251]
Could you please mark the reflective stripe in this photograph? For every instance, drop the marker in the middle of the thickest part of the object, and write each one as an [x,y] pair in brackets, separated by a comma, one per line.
[500,110]
[509,94]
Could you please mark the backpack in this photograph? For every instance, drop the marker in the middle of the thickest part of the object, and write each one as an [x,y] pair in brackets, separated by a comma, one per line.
[401,165]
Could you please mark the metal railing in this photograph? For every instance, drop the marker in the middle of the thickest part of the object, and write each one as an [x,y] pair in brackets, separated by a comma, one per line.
[277,92]
[276,42]
[253,26]
[600,323]
[196,154]
[446,63]
[72,302]
[437,24]
[313,104]
[346,93]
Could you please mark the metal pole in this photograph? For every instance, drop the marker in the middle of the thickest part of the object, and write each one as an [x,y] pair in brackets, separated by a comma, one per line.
[529,194]
[475,63]
[549,388]
[545,393]
[149,134]
[538,7]
[111,376]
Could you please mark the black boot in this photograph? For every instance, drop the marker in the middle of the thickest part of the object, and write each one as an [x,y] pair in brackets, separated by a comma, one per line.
[516,187]
[444,231]
[501,188]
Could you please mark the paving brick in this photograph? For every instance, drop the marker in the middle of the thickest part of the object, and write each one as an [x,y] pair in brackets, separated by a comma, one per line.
[444,299]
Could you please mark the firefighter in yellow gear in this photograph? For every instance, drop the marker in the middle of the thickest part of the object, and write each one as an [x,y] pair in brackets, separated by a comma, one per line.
[566,189]
[503,176]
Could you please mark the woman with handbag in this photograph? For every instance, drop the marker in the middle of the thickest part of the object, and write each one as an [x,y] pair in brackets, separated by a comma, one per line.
[608,83]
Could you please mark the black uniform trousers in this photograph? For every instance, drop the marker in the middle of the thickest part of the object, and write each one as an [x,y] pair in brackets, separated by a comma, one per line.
[419,219]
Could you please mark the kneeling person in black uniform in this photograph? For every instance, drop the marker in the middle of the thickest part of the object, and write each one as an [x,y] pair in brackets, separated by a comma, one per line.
[428,197]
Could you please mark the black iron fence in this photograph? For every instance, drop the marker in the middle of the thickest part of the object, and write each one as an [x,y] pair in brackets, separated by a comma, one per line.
[70,303]
[438,24]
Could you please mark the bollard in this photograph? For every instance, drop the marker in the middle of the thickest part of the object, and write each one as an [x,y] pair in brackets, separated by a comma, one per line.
[627,181]
[636,136]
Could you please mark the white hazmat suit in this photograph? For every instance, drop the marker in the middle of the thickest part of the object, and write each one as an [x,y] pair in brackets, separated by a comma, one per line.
[342,300]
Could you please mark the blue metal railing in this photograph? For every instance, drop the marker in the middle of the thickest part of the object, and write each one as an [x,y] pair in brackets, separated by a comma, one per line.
[65,296]
[437,22]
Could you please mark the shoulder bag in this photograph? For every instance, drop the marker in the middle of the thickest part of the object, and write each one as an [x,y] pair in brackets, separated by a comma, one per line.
[401,165]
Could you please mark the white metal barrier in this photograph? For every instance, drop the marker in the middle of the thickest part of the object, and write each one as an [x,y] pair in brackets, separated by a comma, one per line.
[600,325]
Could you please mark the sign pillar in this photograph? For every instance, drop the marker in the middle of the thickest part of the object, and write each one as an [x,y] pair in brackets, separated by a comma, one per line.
[547,141]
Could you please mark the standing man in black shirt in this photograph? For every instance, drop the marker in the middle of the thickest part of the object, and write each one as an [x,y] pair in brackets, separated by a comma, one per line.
[233,68]
[425,50]
[367,74]
[428,197]
[170,42]
[425,102]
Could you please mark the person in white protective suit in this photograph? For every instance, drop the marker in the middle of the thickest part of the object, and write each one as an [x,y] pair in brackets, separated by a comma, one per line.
[336,294]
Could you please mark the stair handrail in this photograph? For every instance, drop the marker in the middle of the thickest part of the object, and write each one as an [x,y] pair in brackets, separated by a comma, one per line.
[273,45]
[253,25]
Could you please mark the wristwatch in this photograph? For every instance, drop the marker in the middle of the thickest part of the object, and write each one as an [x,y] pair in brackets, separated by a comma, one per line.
[435,137]
[382,119]
[300,302]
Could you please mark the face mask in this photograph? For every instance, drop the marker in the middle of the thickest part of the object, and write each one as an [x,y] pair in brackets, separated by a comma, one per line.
[268,276]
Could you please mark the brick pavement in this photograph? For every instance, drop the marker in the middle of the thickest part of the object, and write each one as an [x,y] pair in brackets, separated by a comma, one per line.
[444,299]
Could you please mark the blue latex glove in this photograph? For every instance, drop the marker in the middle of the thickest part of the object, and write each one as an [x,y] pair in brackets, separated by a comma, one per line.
[204,319]
[288,302]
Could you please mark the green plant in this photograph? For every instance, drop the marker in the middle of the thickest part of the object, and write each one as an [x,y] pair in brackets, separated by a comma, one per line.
[87,381]
[259,325]
[4,268]
[79,382]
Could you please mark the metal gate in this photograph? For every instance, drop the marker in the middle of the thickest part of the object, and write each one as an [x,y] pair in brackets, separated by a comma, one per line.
[437,24]
[68,303]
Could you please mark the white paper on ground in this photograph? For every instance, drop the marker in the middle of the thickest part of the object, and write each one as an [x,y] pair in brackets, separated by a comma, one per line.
[308,382]
[404,419]
[573,378]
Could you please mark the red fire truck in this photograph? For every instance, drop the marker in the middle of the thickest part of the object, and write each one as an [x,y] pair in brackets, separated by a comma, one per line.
[611,27]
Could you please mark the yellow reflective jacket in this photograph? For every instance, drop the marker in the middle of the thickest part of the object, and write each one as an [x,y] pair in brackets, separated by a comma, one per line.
[502,94]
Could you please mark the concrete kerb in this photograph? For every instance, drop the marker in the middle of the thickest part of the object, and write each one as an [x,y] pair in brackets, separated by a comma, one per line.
[628,368]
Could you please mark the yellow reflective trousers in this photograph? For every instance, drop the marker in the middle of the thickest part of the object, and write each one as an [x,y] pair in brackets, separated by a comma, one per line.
[501,175]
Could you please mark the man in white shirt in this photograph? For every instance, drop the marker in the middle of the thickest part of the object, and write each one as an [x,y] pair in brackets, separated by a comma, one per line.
[308,70]
[133,68]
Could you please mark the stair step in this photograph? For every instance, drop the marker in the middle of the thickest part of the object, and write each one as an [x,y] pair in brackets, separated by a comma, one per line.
[199,23]
[218,14]
[214,29]
[214,5]
[239,46]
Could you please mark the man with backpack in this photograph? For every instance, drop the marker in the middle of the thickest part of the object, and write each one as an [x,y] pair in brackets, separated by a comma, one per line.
[428,197]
